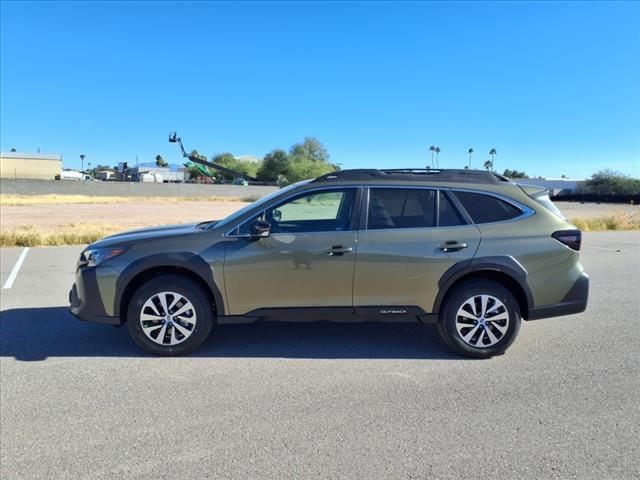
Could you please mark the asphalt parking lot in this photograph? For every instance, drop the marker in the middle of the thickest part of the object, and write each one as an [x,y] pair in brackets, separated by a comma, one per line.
[321,400]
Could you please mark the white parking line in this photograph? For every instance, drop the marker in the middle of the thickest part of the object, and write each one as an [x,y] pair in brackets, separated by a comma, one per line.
[16,269]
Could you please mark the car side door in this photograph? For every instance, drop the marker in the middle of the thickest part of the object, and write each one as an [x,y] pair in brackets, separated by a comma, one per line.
[307,260]
[410,237]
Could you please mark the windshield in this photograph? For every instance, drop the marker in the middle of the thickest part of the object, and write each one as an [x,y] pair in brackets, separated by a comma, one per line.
[231,218]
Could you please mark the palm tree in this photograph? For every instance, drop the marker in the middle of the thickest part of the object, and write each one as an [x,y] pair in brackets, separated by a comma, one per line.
[493,152]
[470,152]
[432,149]
[437,155]
[488,165]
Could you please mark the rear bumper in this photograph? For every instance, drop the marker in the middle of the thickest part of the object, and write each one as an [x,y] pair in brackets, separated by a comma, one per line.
[85,302]
[574,302]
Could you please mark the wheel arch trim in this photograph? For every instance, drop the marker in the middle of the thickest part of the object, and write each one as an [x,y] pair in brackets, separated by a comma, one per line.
[187,262]
[503,265]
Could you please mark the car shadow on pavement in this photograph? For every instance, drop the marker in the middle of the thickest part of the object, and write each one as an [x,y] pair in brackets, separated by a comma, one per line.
[32,334]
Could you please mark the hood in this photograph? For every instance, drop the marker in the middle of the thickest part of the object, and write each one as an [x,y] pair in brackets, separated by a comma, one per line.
[151,233]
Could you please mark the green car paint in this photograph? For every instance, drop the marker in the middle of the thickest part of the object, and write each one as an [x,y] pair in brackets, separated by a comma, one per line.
[353,245]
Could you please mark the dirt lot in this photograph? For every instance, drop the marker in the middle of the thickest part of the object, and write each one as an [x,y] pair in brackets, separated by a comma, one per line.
[75,223]
[594,210]
[117,216]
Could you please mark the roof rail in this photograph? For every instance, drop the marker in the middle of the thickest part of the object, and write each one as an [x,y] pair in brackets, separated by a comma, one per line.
[416,174]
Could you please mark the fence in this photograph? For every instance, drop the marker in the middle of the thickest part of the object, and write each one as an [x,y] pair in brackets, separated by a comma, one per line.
[593,198]
[124,189]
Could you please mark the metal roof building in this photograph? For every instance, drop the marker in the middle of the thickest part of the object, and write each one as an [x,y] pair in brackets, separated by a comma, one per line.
[30,166]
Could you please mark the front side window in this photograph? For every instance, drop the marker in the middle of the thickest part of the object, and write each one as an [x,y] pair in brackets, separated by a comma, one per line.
[487,208]
[318,211]
[401,208]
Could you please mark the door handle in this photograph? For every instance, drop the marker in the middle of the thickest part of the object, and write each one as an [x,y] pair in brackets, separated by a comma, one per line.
[338,250]
[452,246]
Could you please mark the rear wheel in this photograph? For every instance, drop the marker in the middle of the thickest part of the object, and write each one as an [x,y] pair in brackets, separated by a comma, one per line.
[170,315]
[480,319]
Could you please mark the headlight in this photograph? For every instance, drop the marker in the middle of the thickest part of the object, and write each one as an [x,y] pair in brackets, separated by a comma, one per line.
[92,257]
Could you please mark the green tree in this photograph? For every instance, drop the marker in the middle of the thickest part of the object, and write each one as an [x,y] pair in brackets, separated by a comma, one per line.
[312,149]
[514,174]
[161,162]
[308,159]
[243,167]
[303,168]
[610,182]
[488,165]
[274,165]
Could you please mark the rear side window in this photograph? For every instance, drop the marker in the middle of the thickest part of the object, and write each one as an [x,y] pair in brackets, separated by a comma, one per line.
[448,216]
[486,208]
[401,208]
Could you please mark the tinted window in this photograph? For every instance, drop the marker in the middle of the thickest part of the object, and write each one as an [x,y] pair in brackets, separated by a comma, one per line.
[486,208]
[448,216]
[401,208]
[324,211]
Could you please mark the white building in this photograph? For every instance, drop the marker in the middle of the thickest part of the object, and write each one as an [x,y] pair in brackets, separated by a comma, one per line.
[556,186]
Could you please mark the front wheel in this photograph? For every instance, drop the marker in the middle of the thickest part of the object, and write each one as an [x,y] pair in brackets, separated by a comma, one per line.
[170,315]
[480,319]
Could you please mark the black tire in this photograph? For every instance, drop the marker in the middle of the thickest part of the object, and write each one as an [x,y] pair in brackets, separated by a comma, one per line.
[482,337]
[196,321]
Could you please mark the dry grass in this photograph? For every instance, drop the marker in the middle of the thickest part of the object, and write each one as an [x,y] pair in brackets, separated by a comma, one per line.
[52,227]
[32,236]
[618,221]
[7,200]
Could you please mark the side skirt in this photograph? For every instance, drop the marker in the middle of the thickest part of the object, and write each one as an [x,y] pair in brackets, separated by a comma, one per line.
[391,314]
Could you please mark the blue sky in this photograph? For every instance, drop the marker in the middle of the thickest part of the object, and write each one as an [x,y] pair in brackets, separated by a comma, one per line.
[554,87]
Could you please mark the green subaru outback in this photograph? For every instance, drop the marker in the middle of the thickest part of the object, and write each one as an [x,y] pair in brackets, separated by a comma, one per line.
[468,251]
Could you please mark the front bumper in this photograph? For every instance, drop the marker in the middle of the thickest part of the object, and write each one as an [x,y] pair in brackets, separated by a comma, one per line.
[85,300]
[575,301]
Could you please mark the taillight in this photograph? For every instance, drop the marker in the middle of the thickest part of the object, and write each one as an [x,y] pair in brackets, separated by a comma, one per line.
[570,238]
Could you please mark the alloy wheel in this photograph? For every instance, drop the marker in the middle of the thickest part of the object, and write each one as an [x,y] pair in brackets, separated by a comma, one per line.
[168,318]
[482,321]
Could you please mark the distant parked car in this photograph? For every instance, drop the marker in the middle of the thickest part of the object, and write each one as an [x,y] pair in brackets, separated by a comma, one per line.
[240,181]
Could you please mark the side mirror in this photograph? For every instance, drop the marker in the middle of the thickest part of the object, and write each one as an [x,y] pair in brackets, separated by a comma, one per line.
[276,215]
[260,229]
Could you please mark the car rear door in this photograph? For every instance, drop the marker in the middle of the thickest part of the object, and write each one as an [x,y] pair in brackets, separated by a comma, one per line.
[410,238]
